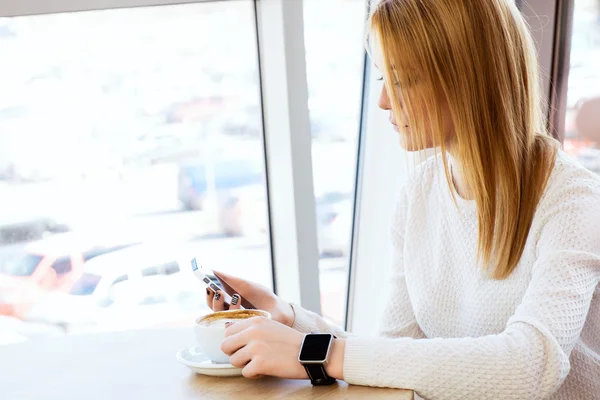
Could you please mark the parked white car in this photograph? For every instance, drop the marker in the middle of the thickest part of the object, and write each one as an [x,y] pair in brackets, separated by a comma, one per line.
[245,214]
[334,229]
[114,288]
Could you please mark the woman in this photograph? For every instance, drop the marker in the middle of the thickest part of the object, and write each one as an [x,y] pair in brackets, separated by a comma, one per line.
[496,239]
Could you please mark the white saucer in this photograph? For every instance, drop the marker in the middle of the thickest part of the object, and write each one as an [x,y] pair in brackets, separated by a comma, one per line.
[195,360]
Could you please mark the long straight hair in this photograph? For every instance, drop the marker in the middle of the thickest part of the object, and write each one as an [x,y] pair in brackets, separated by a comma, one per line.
[478,56]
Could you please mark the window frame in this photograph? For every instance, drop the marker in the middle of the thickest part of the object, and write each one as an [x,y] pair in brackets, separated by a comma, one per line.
[288,156]
[552,23]
[561,64]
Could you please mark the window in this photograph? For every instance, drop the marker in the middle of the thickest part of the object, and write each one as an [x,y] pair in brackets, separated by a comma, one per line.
[120,279]
[88,255]
[582,120]
[149,131]
[152,300]
[170,268]
[335,83]
[152,271]
[85,285]
[62,266]
[163,269]
[19,265]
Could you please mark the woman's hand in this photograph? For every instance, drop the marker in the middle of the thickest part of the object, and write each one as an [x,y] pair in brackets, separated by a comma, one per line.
[264,347]
[258,295]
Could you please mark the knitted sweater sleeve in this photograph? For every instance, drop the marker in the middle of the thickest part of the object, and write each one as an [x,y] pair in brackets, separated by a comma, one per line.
[404,323]
[399,318]
[530,358]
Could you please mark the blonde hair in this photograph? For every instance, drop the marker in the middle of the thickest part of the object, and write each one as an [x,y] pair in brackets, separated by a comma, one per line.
[479,57]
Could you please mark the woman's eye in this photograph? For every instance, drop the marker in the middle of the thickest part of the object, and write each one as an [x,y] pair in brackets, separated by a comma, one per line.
[395,83]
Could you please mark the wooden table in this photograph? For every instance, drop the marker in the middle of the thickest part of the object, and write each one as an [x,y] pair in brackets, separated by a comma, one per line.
[141,366]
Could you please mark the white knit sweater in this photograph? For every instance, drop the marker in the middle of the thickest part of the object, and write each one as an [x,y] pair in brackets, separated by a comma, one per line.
[449,332]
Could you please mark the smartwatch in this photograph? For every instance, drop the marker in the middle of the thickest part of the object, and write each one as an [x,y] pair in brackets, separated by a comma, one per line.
[314,353]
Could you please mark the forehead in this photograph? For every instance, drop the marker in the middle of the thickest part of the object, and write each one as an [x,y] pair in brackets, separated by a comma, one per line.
[376,57]
[399,66]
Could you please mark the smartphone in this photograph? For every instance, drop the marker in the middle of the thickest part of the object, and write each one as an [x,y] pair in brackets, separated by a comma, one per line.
[211,284]
[218,284]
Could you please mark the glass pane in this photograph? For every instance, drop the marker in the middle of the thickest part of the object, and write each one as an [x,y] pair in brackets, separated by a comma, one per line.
[85,285]
[582,121]
[19,264]
[62,266]
[125,152]
[335,82]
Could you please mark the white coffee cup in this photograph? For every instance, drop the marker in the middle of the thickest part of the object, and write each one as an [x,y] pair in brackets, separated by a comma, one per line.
[210,331]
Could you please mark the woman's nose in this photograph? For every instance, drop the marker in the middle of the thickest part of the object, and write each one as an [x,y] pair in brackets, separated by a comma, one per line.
[384,100]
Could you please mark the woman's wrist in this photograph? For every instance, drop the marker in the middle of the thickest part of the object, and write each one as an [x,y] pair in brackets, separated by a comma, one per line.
[290,315]
[335,363]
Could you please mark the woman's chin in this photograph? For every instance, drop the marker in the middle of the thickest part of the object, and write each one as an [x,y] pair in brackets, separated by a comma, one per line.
[411,146]
[407,142]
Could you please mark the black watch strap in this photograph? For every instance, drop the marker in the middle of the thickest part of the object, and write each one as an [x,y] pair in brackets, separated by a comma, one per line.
[317,375]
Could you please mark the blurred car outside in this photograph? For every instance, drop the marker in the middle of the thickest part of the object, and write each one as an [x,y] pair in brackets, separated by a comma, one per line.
[244,213]
[18,296]
[15,229]
[152,302]
[28,213]
[584,144]
[54,263]
[140,286]
[196,178]
[334,223]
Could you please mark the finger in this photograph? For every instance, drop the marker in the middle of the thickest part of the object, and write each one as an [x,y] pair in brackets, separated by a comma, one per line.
[253,370]
[241,357]
[241,286]
[236,302]
[231,344]
[242,325]
[209,298]
[218,302]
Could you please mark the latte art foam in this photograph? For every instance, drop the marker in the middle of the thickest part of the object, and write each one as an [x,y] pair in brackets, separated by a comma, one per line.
[219,323]
[221,318]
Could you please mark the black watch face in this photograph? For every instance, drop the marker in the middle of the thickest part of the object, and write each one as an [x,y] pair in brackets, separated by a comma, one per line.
[315,347]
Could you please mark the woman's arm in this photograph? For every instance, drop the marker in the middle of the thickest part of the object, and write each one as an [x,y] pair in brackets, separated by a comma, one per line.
[309,322]
[530,358]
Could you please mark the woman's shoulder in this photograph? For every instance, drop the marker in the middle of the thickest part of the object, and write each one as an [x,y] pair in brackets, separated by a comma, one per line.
[424,173]
[572,193]
[570,180]
[568,214]
[416,185]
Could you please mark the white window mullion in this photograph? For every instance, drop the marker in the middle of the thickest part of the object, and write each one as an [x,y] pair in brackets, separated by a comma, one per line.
[288,151]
